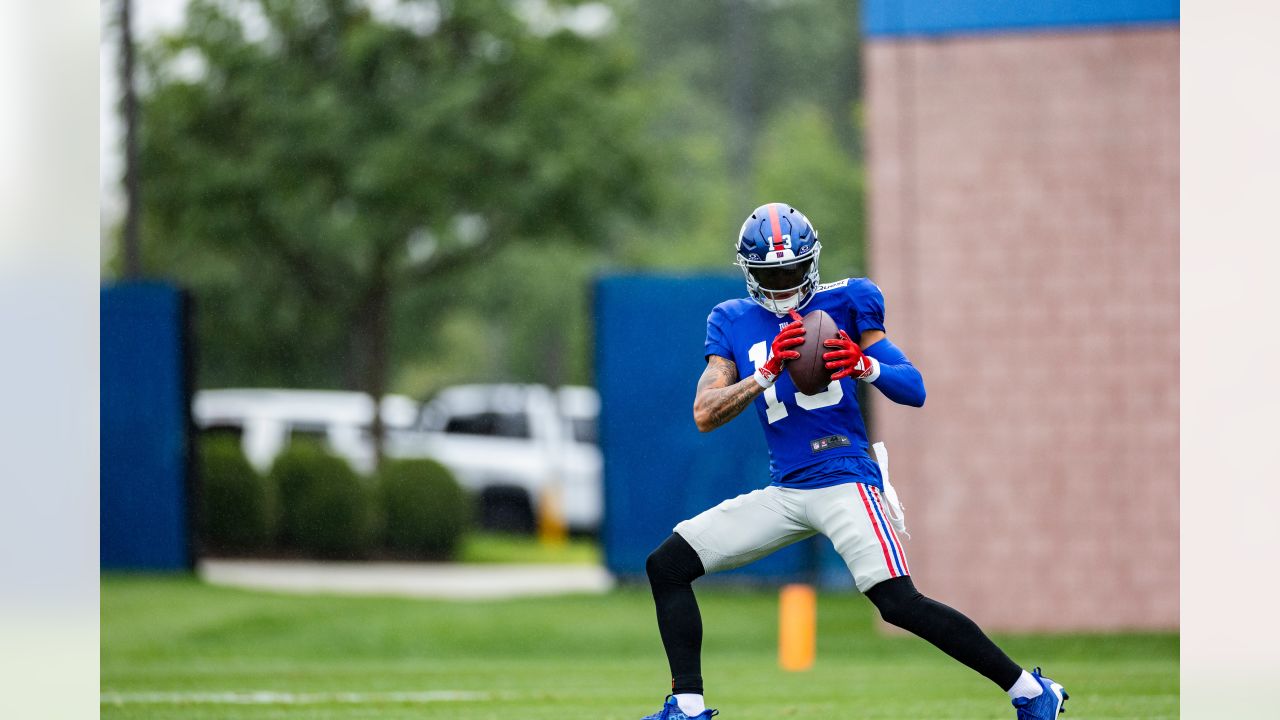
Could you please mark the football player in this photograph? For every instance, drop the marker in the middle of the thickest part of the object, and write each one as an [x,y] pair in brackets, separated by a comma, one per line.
[824,478]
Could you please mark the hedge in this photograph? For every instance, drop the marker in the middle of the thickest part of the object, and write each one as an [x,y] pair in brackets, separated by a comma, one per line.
[425,510]
[327,511]
[237,505]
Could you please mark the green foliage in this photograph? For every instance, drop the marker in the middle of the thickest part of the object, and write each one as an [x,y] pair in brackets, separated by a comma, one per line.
[357,198]
[327,510]
[338,163]
[748,116]
[780,52]
[546,290]
[426,511]
[237,505]
[800,161]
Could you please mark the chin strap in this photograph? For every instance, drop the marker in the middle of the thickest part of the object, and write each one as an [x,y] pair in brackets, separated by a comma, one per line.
[783,312]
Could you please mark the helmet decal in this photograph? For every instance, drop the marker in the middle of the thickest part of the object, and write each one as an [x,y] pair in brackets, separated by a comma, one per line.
[776,227]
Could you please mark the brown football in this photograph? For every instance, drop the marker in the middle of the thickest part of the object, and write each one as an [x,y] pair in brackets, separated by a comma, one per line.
[809,372]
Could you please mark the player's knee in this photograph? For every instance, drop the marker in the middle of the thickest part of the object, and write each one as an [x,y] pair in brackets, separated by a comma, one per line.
[673,562]
[661,568]
[895,612]
[897,600]
[653,566]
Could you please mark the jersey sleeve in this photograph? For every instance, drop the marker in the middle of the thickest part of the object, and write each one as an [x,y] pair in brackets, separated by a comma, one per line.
[718,334]
[868,305]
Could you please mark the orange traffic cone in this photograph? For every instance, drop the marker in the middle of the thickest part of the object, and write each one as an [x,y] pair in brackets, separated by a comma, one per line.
[797,627]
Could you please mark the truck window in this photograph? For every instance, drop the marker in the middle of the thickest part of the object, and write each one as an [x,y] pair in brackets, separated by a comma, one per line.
[584,430]
[492,424]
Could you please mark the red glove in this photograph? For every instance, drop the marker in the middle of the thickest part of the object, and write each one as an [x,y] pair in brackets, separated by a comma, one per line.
[847,359]
[791,336]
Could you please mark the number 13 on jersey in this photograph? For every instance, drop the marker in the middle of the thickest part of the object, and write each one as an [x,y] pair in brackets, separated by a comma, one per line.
[775,409]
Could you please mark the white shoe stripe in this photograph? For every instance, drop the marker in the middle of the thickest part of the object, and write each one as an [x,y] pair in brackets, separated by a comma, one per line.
[1057,692]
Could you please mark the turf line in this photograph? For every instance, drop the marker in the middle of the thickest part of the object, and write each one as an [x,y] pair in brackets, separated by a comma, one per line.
[268,697]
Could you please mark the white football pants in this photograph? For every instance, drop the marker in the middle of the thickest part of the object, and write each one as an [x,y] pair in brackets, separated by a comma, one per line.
[748,527]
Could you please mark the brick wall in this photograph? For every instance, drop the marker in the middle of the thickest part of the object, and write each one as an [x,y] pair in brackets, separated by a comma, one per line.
[1024,227]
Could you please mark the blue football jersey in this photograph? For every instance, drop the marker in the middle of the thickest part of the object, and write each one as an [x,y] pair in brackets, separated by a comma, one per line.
[814,440]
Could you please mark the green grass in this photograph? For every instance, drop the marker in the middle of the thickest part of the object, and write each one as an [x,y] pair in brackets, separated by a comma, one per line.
[594,657]
[483,547]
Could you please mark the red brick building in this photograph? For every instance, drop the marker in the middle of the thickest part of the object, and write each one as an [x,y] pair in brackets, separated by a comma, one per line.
[1023,211]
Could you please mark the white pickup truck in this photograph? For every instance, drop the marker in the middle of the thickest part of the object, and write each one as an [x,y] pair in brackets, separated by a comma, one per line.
[523,450]
[267,420]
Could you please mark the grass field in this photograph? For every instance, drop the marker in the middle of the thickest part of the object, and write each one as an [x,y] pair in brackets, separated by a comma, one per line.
[176,648]
[487,547]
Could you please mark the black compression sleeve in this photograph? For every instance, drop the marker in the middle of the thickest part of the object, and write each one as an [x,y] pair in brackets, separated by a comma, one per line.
[950,631]
[672,568]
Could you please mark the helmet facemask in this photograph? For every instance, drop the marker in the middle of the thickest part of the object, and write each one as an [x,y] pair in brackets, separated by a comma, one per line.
[784,285]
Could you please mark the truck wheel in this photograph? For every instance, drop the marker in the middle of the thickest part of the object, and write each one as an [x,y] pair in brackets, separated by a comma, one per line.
[506,509]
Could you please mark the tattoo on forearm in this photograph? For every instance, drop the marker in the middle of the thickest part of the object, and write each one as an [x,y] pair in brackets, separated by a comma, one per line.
[728,402]
[721,396]
[720,373]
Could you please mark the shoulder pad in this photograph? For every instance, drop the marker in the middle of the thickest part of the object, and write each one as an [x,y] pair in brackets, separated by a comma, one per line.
[732,309]
[832,285]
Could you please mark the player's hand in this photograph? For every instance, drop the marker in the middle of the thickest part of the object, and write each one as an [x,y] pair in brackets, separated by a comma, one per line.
[847,358]
[792,334]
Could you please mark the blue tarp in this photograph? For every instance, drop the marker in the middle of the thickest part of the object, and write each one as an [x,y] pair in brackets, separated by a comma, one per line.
[144,410]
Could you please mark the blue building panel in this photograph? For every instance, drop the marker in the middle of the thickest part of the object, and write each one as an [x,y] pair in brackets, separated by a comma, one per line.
[906,18]
[144,410]
[658,469]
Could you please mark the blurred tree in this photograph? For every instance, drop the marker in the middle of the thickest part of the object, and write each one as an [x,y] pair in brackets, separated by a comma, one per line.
[800,160]
[520,316]
[759,104]
[129,111]
[317,168]
[486,163]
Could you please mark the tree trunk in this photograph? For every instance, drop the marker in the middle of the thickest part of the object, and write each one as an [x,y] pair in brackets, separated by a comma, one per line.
[371,351]
[742,108]
[553,369]
[129,109]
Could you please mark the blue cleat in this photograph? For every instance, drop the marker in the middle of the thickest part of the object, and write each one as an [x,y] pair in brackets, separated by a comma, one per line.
[671,711]
[1047,704]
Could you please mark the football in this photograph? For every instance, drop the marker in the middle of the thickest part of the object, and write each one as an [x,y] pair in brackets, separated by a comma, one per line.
[809,372]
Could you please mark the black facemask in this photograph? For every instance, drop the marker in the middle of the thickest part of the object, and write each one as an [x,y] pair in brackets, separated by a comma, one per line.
[782,277]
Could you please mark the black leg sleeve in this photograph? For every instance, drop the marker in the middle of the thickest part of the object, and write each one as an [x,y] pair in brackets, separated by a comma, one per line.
[950,631]
[672,568]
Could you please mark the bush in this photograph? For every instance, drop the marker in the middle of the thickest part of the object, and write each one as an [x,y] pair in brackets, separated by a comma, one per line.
[425,510]
[327,511]
[237,505]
